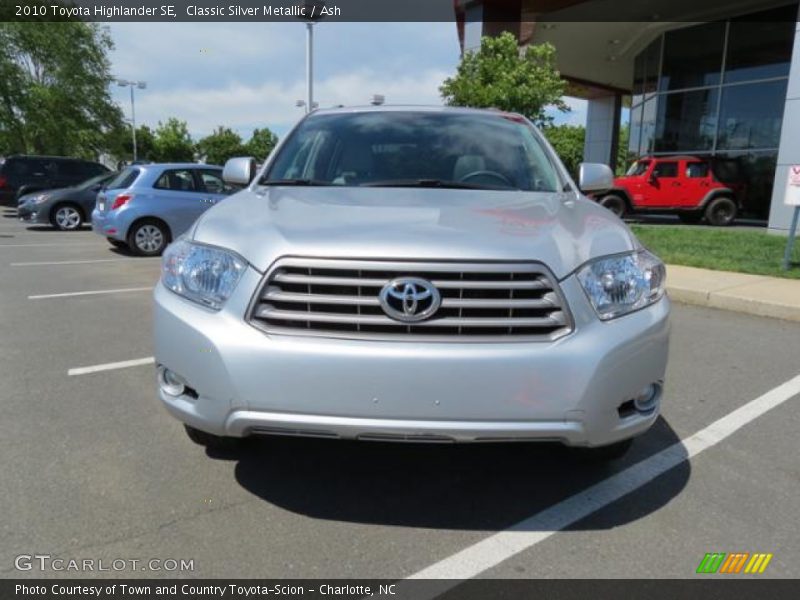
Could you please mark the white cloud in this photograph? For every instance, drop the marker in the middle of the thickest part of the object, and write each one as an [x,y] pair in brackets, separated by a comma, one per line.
[576,116]
[246,75]
[177,51]
[243,106]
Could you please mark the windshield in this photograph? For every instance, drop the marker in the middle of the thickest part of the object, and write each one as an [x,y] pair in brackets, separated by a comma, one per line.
[638,168]
[98,179]
[394,148]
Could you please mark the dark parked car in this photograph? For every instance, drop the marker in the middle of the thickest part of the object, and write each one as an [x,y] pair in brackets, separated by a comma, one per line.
[65,209]
[20,175]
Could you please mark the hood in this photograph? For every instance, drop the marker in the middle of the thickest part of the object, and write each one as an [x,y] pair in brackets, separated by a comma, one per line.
[53,192]
[561,230]
[48,192]
[60,193]
[626,178]
[25,198]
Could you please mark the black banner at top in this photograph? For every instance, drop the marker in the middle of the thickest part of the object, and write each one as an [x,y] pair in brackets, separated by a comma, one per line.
[507,12]
[230,10]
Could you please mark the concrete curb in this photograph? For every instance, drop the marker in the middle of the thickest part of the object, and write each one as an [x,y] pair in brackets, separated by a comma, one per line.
[752,294]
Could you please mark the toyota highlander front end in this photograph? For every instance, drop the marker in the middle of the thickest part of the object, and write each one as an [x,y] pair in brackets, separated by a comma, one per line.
[417,275]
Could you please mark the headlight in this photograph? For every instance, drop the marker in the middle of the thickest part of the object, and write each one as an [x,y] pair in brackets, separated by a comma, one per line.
[31,199]
[203,274]
[621,284]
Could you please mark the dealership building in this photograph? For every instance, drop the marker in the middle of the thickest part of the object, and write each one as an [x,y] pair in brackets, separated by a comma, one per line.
[717,78]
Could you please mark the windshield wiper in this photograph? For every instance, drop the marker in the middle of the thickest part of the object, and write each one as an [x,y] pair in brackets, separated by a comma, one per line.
[316,182]
[431,183]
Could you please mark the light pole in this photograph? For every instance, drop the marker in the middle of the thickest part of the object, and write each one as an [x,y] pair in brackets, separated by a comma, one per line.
[309,65]
[302,104]
[311,12]
[132,84]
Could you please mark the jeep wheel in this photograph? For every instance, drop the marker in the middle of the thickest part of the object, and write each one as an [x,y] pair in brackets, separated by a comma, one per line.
[721,211]
[616,204]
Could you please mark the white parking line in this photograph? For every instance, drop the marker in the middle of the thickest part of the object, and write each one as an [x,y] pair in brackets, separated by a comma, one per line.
[80,262]
[91,293]
[111,366]
[501,546]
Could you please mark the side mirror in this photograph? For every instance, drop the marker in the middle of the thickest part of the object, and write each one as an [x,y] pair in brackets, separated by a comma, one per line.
[595,177]
[240,170]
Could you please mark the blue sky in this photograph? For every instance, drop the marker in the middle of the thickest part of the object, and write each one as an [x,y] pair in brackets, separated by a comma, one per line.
[247,75]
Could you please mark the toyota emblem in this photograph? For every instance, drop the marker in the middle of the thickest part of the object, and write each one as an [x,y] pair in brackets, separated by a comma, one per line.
[409,299]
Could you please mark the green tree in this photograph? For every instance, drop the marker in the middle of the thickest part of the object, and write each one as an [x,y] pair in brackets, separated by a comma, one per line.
[499,76]
[222,144]
[172,142]
[145,143]
[624,156]
[261,143]
[54,88]
[568,142]
[120,144]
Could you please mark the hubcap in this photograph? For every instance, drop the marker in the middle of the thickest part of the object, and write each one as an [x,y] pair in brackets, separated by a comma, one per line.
[723,213]
[615,206]
[67,218]
[148,238]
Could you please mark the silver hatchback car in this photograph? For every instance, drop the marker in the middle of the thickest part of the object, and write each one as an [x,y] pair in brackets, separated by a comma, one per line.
[412,274]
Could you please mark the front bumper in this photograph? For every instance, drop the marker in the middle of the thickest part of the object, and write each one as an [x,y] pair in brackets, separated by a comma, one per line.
[32,213]
[570,390]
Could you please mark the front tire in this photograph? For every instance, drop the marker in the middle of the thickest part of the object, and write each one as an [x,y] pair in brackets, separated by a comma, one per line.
[66,217]
[148,237]
[211,441]
[721,211]
[616,204]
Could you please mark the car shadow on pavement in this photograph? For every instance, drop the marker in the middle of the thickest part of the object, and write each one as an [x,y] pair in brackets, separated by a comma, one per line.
[461,487]
[49,229]
[122,251]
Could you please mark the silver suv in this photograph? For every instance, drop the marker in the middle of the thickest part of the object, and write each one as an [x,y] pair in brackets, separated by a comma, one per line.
[412,274]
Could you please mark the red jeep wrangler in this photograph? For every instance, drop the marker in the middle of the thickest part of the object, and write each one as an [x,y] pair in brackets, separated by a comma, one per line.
[684,185]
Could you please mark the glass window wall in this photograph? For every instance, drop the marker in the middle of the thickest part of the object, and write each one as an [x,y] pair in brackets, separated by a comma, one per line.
[717,90]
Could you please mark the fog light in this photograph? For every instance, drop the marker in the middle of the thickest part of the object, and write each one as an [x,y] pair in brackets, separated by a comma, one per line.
[170,382]
[646,399]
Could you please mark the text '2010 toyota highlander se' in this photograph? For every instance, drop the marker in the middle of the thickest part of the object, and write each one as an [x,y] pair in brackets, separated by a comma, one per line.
[415,274]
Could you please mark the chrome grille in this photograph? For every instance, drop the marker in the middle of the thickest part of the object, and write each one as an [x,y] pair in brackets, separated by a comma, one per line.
[480,301]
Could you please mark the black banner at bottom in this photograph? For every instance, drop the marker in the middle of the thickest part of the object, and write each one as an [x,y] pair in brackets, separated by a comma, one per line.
[705,588]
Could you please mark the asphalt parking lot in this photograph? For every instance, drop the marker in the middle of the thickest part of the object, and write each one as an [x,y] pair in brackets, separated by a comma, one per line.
[93,467]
